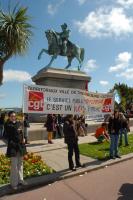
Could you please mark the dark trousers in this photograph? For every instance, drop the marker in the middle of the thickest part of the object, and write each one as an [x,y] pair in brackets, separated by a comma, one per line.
[73,147]
[59,131]
[114,144]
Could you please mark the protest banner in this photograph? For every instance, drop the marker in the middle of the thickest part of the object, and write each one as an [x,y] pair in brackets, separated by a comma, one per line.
[100,105]
[55,100]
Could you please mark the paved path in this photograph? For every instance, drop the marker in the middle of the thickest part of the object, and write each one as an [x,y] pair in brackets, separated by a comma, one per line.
[58,160]
[55,155]
[111,183]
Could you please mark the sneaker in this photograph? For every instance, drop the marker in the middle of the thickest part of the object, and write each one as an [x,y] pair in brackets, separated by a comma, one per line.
[111,157]
[117,156]
[14,188]
[23,183]
[80,165]
[73,169]
[126,145]
[27,143]
[50,142]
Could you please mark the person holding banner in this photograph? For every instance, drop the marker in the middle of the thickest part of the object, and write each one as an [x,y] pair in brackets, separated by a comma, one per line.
[71,139]
[16,149]
[114,127]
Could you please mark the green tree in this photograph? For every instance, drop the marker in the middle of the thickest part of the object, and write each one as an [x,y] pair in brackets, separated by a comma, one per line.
[15,33]
[126,94]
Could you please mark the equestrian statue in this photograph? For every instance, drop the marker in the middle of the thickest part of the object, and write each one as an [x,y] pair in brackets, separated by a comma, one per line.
[59,44]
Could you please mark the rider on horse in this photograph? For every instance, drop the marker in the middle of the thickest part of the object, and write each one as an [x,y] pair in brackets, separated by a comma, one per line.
[59,44]
[62,38]
[64,35]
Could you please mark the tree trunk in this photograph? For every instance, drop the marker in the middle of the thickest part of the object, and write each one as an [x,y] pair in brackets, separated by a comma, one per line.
[1,72]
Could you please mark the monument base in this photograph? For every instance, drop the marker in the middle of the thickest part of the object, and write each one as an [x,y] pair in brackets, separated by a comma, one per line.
[62,78]
[56,78]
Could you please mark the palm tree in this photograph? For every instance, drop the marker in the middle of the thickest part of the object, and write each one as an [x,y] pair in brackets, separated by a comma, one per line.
[15,33]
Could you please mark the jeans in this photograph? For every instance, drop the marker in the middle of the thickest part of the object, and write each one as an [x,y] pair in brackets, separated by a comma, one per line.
[114,138]
[73,147]
[26,133]
[16,172]
[123,132]
[1,131]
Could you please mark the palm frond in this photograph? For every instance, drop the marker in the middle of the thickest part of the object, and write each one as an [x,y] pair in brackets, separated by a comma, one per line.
[15,30]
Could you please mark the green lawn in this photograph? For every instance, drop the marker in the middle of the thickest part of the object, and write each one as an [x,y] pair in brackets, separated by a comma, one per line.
[101,151]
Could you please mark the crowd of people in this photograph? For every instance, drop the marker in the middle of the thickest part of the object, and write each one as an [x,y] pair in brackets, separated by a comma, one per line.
[113,132]
[54,125]
[70,127]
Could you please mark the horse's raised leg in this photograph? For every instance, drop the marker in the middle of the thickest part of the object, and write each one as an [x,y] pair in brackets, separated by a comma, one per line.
[69,62]
[41,52]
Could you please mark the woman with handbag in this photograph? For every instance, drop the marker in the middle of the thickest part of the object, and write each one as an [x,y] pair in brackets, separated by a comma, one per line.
[16,149]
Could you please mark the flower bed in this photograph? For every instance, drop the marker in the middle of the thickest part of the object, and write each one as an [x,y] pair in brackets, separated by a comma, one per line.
[33,166]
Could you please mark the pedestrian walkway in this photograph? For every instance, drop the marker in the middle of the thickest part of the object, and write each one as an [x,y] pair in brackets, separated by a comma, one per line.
[55,155]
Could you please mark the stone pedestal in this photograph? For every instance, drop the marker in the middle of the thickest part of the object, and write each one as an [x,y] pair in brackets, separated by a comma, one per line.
[55,78]
[61,78]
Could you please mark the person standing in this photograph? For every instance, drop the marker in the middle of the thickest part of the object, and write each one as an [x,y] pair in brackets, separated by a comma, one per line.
[124,129]
[71,139]
[26,126]
[16,149]
[114,128]
[2,121]
[50,127]
[59,125]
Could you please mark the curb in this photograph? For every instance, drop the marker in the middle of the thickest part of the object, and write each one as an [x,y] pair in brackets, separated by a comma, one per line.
[36,182]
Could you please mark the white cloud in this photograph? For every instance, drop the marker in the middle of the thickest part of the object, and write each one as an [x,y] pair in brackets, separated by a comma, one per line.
[125,3]
[2,96]
[81,2]
[104,83]
[128,74]
[15,75]
[90,66]
[53,8]
[117,67]
[122,62]
[124,57]
[106,22]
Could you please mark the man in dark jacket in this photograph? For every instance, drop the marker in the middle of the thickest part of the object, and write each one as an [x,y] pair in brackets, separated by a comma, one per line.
[114,129]
[124,129]
[71,139]
[15,150]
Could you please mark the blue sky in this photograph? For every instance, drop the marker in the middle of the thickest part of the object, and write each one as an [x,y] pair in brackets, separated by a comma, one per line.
[103,27]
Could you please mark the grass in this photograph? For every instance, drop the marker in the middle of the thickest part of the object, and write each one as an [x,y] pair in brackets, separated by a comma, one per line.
[100,151]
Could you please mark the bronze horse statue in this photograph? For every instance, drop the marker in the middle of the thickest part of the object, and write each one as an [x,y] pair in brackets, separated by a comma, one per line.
[55,49]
